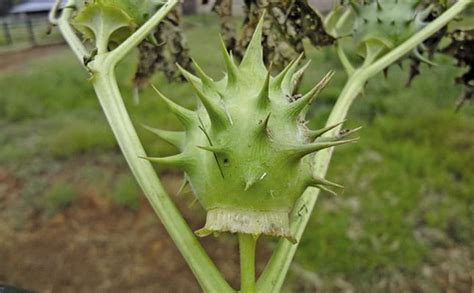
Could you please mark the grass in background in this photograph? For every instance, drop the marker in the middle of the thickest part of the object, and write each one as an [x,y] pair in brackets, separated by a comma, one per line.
[411,174]
[78,136]
[58,197]
[125,192]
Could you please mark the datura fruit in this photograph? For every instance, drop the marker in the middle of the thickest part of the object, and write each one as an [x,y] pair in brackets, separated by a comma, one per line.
[246,150]
[386,23]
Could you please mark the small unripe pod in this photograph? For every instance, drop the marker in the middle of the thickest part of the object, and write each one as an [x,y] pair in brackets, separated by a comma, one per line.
[246,150]
[387,23]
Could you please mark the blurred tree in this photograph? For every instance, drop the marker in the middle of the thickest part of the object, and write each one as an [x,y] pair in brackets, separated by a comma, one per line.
[223,8]
[5,6]
[189,7]
[287,24]
[161,52]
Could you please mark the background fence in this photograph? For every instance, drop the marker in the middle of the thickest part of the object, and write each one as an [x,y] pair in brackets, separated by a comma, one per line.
[27,31]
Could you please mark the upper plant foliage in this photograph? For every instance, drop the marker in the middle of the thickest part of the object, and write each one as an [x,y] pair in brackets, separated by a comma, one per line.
[110,22]
[246,151]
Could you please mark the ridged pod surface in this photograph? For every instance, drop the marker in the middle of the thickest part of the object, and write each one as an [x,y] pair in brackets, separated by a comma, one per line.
[246,150]
[386,22]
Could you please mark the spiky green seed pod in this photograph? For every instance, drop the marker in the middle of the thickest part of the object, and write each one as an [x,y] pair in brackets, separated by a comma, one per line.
[246,150]
[386,23]
[110,22]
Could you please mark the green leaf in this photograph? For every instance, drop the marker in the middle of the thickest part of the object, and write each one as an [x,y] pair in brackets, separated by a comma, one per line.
[139,11]
[104,23]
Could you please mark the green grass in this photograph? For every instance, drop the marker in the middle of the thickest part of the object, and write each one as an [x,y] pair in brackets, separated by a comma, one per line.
[80,135]
[58,197]
[411,171]
[125,192]
[405,175]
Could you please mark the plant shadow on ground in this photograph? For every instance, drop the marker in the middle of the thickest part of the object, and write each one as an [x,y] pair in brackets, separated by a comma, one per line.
[402,223]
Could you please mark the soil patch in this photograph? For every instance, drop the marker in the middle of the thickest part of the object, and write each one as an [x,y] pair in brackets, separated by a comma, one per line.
[94,246]
[11,60]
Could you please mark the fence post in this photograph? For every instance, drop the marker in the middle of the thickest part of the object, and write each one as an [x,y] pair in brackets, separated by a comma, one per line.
[31,32]
[6,32]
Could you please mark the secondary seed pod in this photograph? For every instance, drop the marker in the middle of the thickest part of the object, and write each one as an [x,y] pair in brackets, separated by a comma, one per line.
[386,23]
[246,150]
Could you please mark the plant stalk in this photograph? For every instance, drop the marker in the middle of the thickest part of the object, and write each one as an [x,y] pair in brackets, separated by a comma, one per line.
[107,91]
[104,81]
[277,268]
[247,245]
[66,30]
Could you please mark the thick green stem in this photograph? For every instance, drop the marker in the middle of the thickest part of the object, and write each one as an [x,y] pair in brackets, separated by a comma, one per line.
[247,244]
[110,99]
[274,274]
[68,33]
[344,60]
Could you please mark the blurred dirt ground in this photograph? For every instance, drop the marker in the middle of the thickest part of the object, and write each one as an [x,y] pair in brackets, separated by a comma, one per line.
[94,246]
[15,58]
